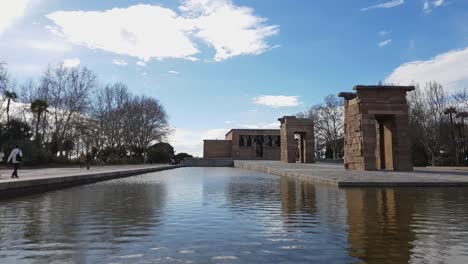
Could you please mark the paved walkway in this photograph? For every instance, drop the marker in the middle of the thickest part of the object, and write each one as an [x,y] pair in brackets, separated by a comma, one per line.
[24,174]
[54,178]
[335,174]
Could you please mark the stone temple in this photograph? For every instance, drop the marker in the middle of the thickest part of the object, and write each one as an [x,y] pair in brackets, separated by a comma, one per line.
[297,140]
[376,128]
[294,142]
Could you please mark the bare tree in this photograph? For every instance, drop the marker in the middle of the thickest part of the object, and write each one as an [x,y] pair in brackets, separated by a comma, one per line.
[427,118]
[67,91]
[328,122]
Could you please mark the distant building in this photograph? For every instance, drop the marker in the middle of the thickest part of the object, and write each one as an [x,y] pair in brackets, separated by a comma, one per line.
[245,144]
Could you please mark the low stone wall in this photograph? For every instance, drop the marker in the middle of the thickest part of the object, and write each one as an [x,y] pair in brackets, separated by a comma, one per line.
[208,163]
[283,172]
[34,185]
[335,174]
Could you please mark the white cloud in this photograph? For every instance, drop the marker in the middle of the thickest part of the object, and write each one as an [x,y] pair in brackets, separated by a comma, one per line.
[389,4]
[119,62]
[272,125]
[450,69]
[151,31]
[173,72]
[429,5]
[277,101]
[385,43]
[70,63]
[231,30]
[26,69]
[141,63]
[50,46]
[11,11]
[383,33]
[438,2]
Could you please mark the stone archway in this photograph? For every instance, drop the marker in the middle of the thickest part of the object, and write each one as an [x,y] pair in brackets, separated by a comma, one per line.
[376,128]
[304,128]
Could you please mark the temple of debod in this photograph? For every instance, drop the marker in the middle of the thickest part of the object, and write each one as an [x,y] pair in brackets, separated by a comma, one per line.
[376,128]
[375,134]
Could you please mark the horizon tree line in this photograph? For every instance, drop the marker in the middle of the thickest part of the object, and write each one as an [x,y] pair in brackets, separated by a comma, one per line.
[67,113]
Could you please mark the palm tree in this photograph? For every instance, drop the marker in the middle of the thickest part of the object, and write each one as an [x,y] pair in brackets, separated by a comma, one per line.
[38,107]
[451,111]
[10,96]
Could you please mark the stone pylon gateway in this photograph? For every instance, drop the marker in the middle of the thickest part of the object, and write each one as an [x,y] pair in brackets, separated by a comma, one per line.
[376,128]
[297,140]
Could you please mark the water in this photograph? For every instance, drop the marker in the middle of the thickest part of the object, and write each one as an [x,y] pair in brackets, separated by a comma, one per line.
[224,215]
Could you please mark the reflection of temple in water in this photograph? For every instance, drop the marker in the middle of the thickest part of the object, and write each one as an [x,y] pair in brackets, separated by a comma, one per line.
[296,196]
[379,225]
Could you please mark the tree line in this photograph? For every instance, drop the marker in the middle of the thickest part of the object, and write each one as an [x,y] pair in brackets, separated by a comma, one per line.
[437,118]
[67,113]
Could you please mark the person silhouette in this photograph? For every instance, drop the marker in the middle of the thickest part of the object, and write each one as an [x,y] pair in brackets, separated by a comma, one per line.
[15,157]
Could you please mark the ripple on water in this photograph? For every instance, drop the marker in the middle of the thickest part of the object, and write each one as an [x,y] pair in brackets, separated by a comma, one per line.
[131,256]
[190,215]
[224,258]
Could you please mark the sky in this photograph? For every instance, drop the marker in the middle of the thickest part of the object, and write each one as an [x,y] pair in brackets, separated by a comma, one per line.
[222,64]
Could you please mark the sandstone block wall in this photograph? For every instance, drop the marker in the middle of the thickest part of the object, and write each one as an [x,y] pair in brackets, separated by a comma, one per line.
[249,152]
[217,149]
[290,125]
[376,129]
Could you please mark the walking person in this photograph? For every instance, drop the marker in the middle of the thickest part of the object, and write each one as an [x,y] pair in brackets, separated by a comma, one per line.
[15,156]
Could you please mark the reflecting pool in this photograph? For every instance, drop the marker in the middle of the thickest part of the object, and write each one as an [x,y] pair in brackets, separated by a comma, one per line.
[226,215]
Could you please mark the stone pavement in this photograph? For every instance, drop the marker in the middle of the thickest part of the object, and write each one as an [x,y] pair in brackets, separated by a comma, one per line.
[335,174]
[55,178]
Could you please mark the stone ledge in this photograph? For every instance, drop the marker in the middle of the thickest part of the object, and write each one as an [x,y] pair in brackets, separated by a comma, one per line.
[32,185]
[336,175]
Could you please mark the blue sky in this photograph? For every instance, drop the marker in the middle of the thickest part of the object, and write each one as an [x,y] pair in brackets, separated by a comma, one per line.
[221,64]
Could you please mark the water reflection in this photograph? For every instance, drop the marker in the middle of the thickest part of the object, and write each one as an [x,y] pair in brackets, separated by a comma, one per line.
[379,225]
[408,225]
[222,215]
[73,224]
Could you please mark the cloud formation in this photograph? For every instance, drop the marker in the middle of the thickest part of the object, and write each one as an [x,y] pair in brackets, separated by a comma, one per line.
[154,32]
[385,43]
[11,11]
[389,4]
[429,5]
[277,101]
[119,62]
[141,63]
[383,33]
[173,72]
[70,63]
[450,69]
[52,46]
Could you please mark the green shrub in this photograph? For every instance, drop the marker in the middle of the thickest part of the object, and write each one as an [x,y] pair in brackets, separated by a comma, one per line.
[160,153]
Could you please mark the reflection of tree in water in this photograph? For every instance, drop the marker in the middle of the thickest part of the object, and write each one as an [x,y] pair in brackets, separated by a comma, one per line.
[126,204]
[297,197]
[73,219]
[247,188]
